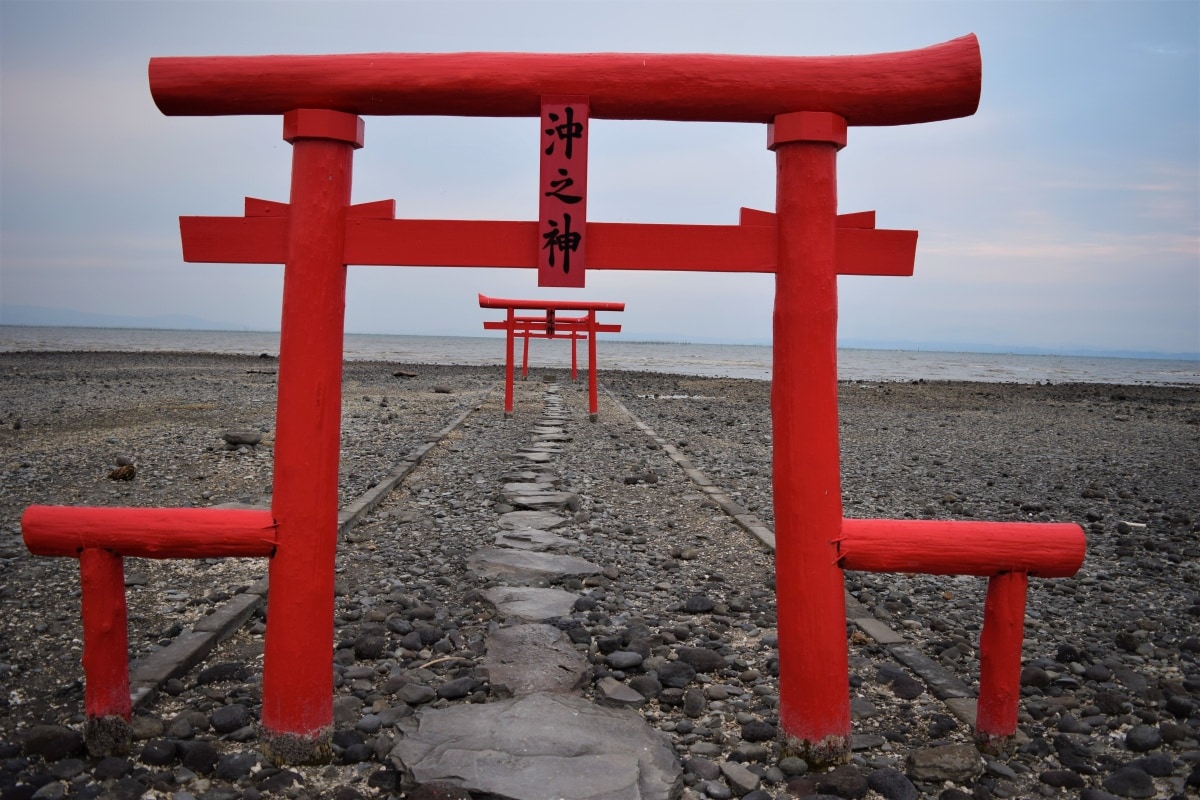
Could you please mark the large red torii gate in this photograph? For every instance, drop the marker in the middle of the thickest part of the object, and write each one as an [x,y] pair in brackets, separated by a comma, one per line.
[548,326]
[807,103]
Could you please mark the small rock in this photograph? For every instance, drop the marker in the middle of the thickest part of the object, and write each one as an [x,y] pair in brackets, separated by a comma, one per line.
[892,784]
[1143,738]
[1130,782]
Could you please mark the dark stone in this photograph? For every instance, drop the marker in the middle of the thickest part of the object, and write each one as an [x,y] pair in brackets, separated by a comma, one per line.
[348,793]
[281,781]
[676,674]
[1035,676]
[1142,738]
[702,768]
[358,753]
[1130,782]
[53,742]
[845,781]
[369,647]
[702,659]
[1158,765]
[1061,779]
[386,779]
[698,604]
[220,673]
[624,659]
[230,718]
[1096,794]
[199,756]
[892,784]
[758,731]
[159,752]
[456,688]
[646,685]
[694,703]
[111,767]
[232,766]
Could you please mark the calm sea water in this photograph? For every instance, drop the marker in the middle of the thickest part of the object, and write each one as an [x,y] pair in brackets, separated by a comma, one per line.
[735,361]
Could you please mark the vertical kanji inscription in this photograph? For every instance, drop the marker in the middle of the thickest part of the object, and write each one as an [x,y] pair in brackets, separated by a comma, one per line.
[562,192]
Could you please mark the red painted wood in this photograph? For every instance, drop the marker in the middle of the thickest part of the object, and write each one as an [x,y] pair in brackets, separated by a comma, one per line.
[960,547]
[256,207]
[932,83]
[149,532]
[105,635]
[321,122]
[547,305]
[298,659]
[593,404]
[508,360]
[814,705]
[525,358]
[563,331]
[562,191]
[1000,656]
[477,243]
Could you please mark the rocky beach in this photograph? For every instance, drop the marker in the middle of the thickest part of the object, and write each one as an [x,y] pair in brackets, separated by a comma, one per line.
[671,623]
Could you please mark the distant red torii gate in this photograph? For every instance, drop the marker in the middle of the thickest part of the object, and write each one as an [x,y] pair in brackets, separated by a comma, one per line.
[550,325]
[807,103]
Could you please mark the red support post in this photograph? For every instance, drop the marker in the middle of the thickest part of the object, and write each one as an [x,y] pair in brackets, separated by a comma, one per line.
[525,355]
[593,405]
[1000,658]
[814,705]
[105,637]
[297,711]
[510,329]
[574,356]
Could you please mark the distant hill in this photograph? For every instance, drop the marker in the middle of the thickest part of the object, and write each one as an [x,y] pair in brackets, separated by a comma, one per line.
[68,318]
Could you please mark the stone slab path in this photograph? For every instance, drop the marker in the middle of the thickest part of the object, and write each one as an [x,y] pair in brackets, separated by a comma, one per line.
[547,740]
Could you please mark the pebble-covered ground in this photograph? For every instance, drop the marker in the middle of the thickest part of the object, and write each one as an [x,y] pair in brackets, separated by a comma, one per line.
[1112,686]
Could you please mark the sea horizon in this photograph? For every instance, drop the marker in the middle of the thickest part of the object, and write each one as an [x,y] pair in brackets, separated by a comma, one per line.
[753,361]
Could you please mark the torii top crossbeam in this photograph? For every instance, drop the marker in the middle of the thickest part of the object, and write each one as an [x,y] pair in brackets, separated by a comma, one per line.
[913,86]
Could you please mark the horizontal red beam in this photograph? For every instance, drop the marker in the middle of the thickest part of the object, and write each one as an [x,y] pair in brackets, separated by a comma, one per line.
[956,547]
[508,244]
[149,532]
[932,83]
[536,328]
[550,305]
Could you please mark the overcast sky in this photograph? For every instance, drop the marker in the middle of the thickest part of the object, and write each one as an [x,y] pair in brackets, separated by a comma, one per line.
[1064,215]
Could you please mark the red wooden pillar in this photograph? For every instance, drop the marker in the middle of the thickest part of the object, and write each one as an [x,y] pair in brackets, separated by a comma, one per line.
[510,325]
[593,405]
[1000,657]
[297,711]
[814,705]
[525,355]
[574,355]
[105,634]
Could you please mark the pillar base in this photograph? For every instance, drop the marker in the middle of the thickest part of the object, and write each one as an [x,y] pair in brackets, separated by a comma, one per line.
[830,751]
[107,736]
[292,749]
[593,417]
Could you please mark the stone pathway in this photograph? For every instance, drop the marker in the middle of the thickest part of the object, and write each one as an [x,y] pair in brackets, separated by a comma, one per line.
[544,740]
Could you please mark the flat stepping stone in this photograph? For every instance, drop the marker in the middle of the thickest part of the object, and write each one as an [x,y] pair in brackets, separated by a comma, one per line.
[531,539]
[542,520]
[541,499]
[532,658]
[492,563]
[541,747]
[536,458]
[529,603]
